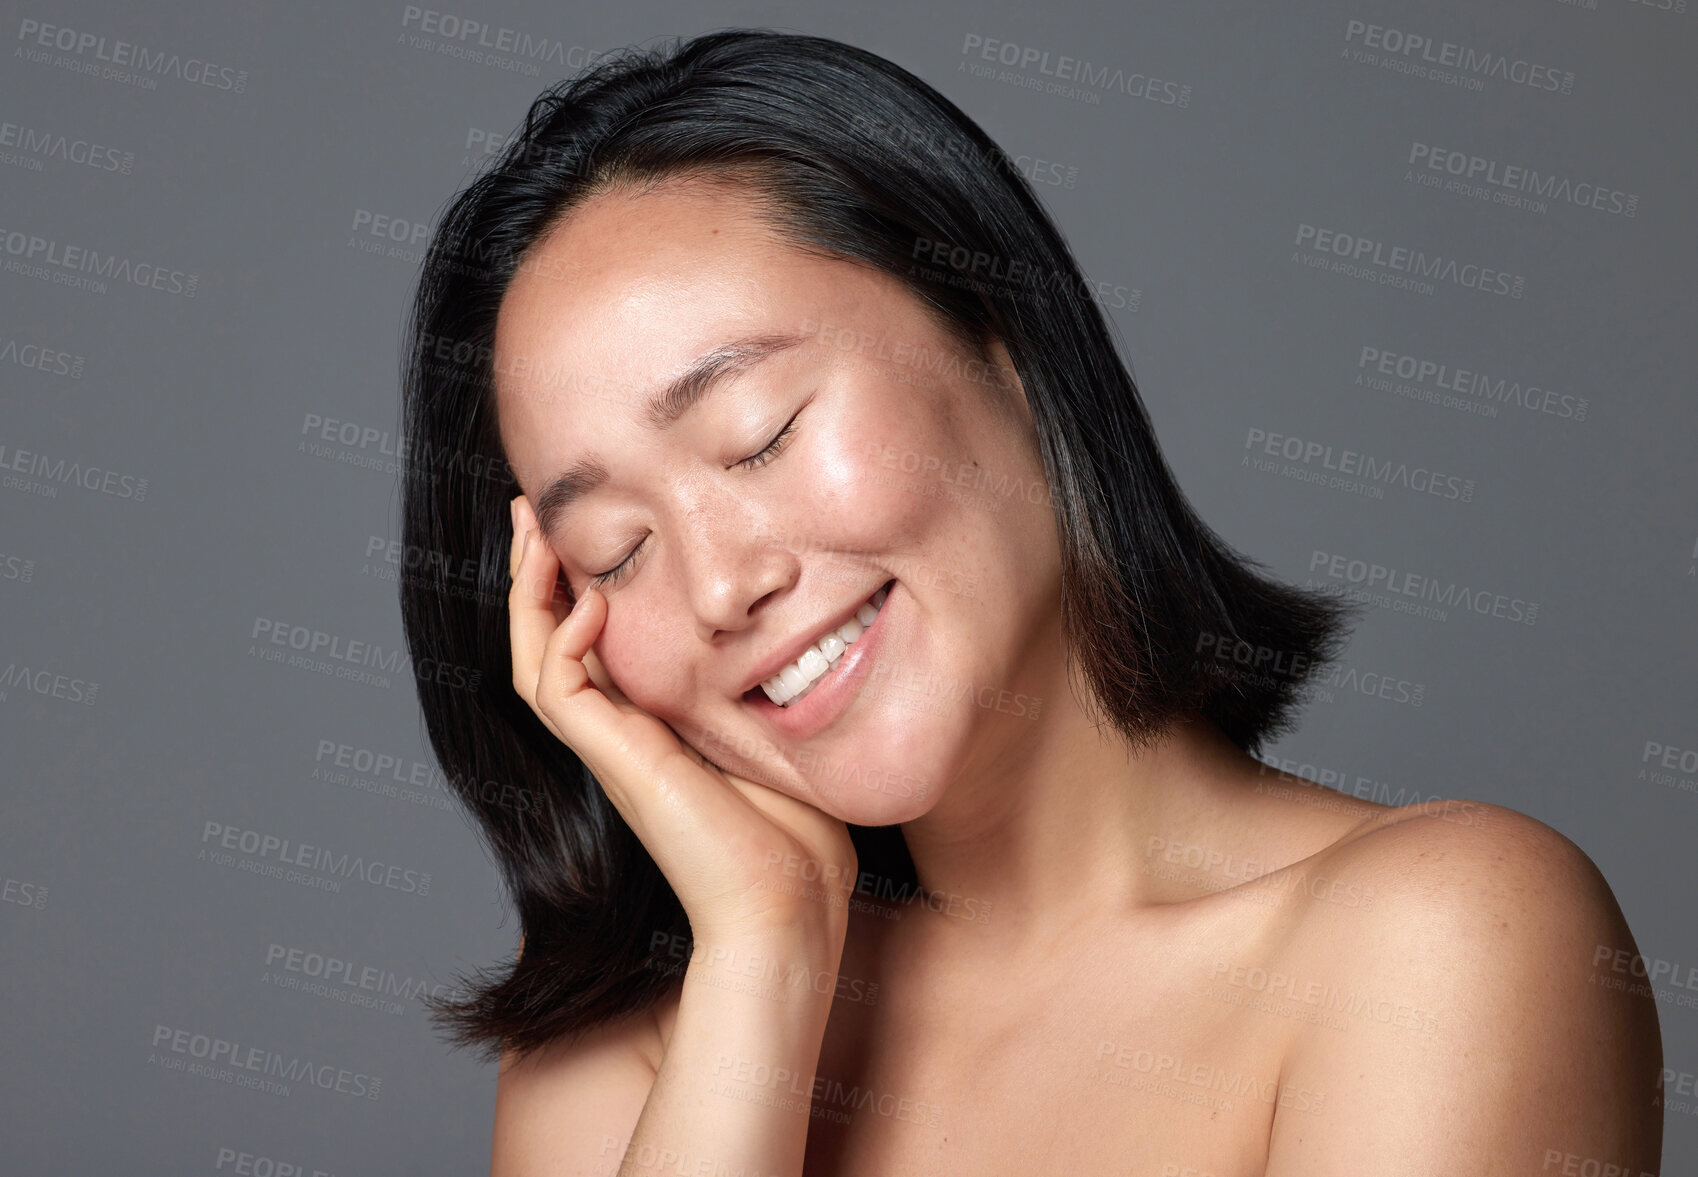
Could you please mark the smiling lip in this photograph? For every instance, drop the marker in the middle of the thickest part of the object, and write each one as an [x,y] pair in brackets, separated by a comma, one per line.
[788,654]
[833,691]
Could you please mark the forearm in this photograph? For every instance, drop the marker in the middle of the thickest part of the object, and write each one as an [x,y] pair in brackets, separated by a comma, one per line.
[734,1091]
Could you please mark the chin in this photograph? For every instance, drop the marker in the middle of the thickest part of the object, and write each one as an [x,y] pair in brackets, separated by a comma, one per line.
[903,782]
[867,807]
[904,779]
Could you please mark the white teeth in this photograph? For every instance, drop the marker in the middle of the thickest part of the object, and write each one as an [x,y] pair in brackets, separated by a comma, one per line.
[802,675]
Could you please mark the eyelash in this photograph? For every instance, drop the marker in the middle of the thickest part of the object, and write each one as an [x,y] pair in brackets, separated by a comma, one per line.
[753,462]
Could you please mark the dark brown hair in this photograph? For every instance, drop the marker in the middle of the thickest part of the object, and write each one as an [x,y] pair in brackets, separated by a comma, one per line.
[857,158]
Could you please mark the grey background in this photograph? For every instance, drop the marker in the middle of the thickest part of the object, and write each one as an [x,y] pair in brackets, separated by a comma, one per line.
[114,922]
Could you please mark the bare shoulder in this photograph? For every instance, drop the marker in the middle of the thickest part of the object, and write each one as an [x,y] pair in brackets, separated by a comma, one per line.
[1476,869]
[1466,835]
[1482,1033]
[1455,891]
[571,1106]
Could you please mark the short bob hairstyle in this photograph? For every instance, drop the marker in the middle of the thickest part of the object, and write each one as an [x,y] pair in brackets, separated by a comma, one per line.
[849,156]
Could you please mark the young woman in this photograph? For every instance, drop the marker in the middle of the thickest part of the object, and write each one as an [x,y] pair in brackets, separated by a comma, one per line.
[882,718]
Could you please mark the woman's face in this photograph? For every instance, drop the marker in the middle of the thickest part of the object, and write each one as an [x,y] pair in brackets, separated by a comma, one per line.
[903,461]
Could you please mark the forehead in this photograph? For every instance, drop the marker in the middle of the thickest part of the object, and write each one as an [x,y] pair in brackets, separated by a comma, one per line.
[634,285]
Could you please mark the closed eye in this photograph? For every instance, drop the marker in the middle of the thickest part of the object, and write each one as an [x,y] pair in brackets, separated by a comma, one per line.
[753,462]
[771,451]
[612,575]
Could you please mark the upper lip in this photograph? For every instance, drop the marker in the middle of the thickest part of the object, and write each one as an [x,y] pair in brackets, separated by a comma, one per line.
[797,646]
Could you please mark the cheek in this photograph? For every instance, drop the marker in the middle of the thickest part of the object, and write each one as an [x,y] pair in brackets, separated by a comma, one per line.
[641,662]
[860,493]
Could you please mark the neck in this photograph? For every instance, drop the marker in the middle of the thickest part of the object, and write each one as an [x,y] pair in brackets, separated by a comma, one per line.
[1060,823]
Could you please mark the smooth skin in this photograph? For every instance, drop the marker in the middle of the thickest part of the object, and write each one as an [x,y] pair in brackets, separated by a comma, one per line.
[1173,961]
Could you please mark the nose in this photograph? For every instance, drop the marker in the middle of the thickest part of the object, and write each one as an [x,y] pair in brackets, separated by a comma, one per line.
[731,565]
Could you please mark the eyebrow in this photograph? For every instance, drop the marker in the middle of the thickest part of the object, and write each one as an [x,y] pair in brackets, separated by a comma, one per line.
[706,373]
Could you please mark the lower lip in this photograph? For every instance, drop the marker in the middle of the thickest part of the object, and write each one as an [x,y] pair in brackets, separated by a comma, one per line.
[834,692]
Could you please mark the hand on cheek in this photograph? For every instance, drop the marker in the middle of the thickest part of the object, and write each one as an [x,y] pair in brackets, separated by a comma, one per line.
[560,602]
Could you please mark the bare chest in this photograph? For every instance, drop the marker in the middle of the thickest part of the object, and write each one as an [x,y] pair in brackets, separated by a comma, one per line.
[1102,1064]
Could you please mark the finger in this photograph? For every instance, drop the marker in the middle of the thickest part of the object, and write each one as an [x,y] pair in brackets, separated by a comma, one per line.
[581,715]
[524,517]
[513,550]
[531,619]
